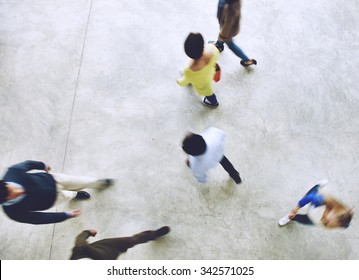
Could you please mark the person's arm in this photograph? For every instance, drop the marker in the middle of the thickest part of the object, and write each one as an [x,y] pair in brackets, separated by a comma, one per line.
[40,218]
[215,51]
[30,165]
[182,81]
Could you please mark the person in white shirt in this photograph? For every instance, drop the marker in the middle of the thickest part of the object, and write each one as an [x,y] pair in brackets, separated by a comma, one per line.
[205,152]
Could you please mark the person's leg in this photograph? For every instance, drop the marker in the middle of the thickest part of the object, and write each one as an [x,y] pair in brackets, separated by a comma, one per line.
[124,243]
[312,197]
[237,50]
[219,44]
[313,190]
[227,165]
[303,219]
[75,183]
[300,218]
[210,100]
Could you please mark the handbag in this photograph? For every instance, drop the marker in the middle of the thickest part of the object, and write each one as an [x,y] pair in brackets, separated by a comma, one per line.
[217,75]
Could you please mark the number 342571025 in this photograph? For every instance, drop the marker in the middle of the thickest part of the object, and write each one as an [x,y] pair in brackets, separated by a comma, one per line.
[227,270]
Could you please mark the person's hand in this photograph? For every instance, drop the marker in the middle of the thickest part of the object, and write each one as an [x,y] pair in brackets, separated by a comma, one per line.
[47,168]
[92,232]
[75,213]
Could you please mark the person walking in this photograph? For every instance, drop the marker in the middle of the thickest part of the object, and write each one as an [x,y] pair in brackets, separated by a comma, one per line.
[111,248]
[205,152]
[229,16]
[24,195]
[317,208]
[201,68]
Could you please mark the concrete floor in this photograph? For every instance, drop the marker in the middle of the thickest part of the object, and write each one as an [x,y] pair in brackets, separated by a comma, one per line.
[89,86]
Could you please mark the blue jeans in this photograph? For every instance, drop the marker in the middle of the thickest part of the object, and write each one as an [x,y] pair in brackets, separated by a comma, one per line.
[312,197]
[235,49]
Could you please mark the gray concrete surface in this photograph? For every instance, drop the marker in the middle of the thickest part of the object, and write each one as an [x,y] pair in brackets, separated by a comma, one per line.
[88,86]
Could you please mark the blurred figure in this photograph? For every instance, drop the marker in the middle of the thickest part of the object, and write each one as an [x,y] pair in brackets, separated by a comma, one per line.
[111,248]
[205,152]
[319,209]
[24,195]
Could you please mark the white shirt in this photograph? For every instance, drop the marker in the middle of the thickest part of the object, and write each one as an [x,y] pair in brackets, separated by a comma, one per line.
[16,199]
[200,165]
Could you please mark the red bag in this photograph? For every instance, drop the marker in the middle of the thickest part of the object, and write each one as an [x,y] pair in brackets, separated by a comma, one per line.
[217,75]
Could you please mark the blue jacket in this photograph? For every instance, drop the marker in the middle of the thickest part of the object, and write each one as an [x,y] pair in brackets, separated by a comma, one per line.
[40,190]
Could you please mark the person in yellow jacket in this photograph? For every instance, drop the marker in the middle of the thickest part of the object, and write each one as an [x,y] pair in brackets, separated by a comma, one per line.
[201,68]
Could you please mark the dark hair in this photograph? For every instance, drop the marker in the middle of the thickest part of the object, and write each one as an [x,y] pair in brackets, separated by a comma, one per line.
[193,46]
[3,191]
[194,144]
[345,218]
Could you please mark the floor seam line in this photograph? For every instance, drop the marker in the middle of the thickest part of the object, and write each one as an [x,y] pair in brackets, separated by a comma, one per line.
[72,110]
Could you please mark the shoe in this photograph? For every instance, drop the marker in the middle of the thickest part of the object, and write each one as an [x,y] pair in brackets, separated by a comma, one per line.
[82,195]
[283,221]
[107,182]
[219,47]
[237,178]
[162,231]
[322,183]
[206,102]
[254,62]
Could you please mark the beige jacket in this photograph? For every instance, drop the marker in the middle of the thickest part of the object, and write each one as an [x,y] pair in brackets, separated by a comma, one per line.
[229,21]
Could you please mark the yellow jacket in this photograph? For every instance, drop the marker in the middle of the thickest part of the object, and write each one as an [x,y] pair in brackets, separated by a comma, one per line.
[201,80]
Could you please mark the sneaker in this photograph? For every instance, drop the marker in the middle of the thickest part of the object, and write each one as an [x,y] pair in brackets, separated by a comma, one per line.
[206,102]
[82,195]
[219,47]
[283,221]
[162,231]
[322,183]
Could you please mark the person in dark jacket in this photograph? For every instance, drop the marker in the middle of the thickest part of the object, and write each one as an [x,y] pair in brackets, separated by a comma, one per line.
[229,16]
[24,195]
[111,248]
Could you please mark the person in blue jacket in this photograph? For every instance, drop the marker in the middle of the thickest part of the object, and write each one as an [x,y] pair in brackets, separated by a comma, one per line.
[24,195]
[319,208]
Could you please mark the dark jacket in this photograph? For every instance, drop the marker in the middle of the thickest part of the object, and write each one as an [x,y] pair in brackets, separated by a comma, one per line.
[105,249]
[40,190]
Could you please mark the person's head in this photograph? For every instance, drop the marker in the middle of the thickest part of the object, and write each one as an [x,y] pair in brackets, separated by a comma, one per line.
[194,144]
[345,219]
[193,46]
[334,220]
[4,192]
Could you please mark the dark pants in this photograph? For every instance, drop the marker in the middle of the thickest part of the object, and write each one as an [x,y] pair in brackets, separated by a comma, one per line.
[227,165]
[111,248]
[302,219]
